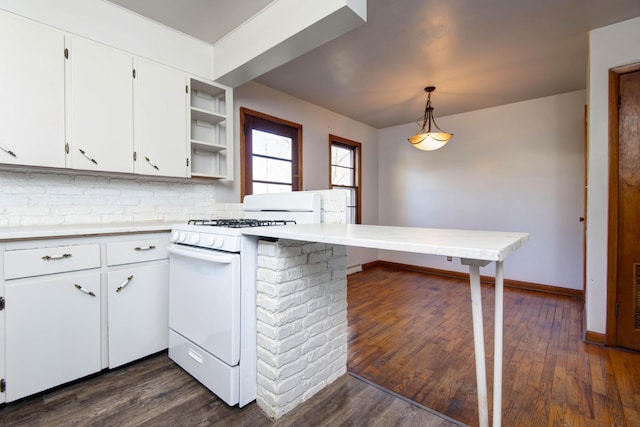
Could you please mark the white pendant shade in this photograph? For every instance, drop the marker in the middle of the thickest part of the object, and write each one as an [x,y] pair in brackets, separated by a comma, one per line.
[427,140]
[430,141]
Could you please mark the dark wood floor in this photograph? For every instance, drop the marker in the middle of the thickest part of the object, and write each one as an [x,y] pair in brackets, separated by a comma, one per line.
[156,392]
[408,332]
[411,333]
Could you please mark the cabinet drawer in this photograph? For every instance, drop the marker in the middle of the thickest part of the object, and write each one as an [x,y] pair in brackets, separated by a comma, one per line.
[137,251]
[57,259]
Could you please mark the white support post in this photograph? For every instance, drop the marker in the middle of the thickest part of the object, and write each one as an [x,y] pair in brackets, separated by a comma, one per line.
[497,348]
[478,338]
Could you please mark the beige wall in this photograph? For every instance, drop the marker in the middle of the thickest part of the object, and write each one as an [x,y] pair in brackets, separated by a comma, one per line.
[516,167]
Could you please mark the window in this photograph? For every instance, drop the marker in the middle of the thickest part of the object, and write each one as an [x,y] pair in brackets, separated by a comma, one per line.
[345,173]
[271,154]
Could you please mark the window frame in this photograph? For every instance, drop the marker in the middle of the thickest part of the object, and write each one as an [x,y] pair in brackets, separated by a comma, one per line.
[356,148]
[251,119]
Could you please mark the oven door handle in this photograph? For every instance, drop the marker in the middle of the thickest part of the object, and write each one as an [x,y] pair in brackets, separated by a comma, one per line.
[210,256]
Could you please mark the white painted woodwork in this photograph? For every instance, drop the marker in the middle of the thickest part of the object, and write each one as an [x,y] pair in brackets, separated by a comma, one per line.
[45,314]
[160,120]
[138,250]
[114,123]
[50,260]
[210,129]
[106,23]
[101,107]
[3,394]
[138,312]
[52,332]
[31,93]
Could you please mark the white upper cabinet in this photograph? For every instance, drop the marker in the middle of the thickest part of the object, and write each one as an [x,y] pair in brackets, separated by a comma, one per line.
[211,130]
[160,120]
[32,124]
[70,102]
[100,111]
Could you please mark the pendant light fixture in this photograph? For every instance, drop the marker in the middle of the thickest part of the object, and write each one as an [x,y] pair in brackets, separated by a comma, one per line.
[426,139]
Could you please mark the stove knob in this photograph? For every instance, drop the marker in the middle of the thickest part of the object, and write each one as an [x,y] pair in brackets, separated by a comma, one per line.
[195,238]
[211,240]
[174,236]
[182,237]
[219,242]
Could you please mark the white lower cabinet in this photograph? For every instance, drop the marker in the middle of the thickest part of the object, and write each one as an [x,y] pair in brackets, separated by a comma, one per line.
[138,301]
[52,331]
[74,306]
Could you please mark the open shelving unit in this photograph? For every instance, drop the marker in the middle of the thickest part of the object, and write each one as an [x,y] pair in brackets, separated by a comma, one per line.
[210,129]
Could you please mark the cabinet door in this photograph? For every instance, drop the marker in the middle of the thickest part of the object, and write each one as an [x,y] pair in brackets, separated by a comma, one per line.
[101,107]
[52,332]
[138,307]
[160,120]
[31,94]
[3,394]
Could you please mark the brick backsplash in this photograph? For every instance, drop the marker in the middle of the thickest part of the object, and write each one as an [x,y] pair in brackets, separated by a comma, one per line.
[41,198]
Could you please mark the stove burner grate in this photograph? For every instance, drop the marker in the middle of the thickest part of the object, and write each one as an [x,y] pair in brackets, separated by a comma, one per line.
[239,223]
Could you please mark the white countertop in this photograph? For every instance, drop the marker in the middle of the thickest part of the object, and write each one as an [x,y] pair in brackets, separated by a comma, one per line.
[471,244]
[77,230]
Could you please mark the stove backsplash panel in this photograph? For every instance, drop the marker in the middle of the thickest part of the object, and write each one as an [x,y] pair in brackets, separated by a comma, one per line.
[333,204]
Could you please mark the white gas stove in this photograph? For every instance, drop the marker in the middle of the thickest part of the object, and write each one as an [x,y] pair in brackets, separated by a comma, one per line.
[212,292]
[217,234]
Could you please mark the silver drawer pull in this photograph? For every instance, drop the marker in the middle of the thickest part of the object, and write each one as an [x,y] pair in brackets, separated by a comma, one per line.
[144,248]
[92,160]
[124,284]
[81,289]
[6,150]
[151,163]
[52,257]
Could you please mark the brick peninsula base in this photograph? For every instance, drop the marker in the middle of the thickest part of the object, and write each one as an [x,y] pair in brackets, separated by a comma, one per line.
[301,321]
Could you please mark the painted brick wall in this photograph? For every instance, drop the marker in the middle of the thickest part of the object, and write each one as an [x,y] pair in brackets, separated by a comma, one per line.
[48,198]
[302,321]
[334,206]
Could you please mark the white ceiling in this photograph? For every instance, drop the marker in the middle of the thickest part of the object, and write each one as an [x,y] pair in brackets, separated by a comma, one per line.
[478,53]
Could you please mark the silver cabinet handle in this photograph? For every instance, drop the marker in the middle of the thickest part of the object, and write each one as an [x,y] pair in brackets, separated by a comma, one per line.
[54,257]
[87,156]
[144,248]
[81,289]
[124,284]
[6,150]
[151,163]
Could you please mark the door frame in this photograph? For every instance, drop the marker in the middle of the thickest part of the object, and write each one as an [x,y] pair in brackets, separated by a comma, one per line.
[612,238]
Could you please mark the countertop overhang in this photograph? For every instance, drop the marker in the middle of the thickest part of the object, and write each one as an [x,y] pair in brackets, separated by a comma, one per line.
[470,244]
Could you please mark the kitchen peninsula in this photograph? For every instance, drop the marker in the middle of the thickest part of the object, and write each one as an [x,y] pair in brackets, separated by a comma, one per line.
[296,261]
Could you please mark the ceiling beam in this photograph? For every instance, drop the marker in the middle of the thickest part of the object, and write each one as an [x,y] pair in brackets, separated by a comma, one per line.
[281,32]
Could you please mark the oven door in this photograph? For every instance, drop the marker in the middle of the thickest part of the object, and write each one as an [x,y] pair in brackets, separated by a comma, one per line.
[204,299]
